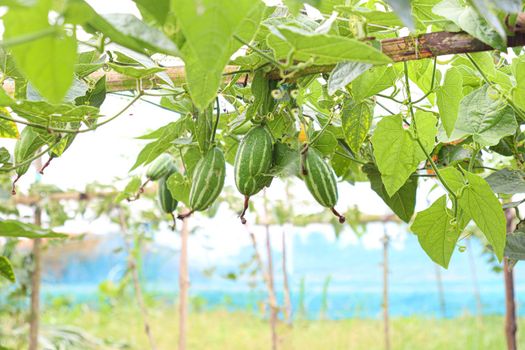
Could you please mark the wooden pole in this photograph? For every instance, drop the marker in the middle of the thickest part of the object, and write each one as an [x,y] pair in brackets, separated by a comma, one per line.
[511,326]
[274,310]
[132,264]
[287,298]
[34,316]
[441,292]
[386,316]
[475,284]
[184,284]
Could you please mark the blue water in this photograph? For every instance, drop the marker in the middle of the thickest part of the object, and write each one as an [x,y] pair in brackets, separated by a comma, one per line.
[355,272]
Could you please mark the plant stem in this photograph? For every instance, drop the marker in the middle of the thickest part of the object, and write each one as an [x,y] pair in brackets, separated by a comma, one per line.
[473,158]
[70,131]
[216,120]
[391,98]
[418,140]
[385,108]
[23,39]
[432,82]
[320,133]
[258,51]
[27,161]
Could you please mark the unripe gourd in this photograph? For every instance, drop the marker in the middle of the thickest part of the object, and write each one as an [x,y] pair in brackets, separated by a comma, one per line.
[161,167]
[252,164]
[321,181]
[207,181]
[167,203]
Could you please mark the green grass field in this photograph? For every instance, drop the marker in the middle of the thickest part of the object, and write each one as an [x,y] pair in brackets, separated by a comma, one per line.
[241,330]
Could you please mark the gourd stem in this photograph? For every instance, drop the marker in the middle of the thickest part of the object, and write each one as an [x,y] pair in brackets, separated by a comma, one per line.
[245,208]
[341,218]
[46,165]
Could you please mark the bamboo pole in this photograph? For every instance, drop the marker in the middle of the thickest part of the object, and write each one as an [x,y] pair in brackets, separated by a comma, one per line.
[34,316]
[441,292]
[511,325]
[36,276]
[475,284]
[286,286]
[386,311]
[132,264]
[184,284]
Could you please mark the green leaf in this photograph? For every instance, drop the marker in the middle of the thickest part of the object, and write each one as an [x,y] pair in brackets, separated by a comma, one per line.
[123,29]
[48,62]
[159,9]
[402,202]
[344,73]
[403,9]
[8,129]
[449,97]
[6,269]
[326,143]
[515,246]
[436,232]
[301,45]
[209,27]
[13,228]
[356,119]
[486,119]
[373,81]
[164,137]
[507,181]
[179,186]
[296,5]
[130,190]
[487,9]
[468,19]
[518,93]
[477,201]
[43,113]
[396,152]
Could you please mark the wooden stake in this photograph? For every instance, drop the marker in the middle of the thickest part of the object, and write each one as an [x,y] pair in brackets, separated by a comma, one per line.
[287,298]
[272,300]
[184,284]
[274,310]
[34,317]
[441,292]
[132,264]
[511,325]
[475,284]
[386,316]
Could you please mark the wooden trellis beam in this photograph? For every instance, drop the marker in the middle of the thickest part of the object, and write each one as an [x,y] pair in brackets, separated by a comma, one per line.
[407,48]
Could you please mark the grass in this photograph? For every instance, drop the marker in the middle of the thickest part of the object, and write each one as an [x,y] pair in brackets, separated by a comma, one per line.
[242,330]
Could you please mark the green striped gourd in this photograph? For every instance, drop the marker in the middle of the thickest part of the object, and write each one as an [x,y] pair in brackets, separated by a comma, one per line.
[253,161]
[167,203]
[161,167]
[321,181]
[208,180]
